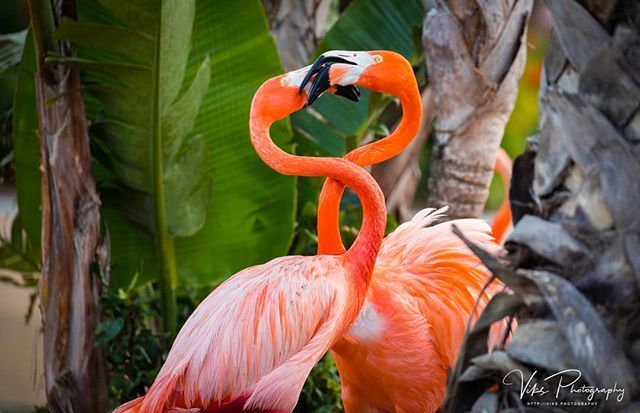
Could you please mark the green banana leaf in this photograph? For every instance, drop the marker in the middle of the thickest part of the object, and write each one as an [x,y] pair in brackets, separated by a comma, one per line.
[26,147]
[168,87]
[376,24]
[17,254]
[20,250]
[364,25]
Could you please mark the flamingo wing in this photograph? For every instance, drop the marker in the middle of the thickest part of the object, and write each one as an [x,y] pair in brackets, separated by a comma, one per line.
[254,338]
[441,274]
[431,251]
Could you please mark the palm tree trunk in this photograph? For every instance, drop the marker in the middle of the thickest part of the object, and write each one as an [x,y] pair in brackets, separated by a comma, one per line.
[69,287]
[574,261]
[475,53]
[297,26]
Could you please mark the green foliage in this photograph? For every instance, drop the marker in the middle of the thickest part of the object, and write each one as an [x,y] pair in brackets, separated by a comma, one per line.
[321,393]
[16,252]
[168,90]
[131,336]
[13,16]
[144,123]
[20,250]
[26,147]
[524,119]
[18,256]
[251,216]
[195,118]
[131,339]
[376,25]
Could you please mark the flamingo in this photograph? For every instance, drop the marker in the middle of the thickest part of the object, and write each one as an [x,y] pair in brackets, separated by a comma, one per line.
[340,72]
[501,223]
[395,356]
[251,343]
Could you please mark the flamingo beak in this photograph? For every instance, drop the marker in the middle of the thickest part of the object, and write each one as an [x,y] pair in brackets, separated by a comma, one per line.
[321,82]
[350,92]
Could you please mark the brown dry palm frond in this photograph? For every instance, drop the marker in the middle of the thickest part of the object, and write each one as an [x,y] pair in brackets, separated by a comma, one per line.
[574,256]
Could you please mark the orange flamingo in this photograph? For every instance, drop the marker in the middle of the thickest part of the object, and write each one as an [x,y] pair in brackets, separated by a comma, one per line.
[251,343]
[501,223]
[425,283]
[340,72]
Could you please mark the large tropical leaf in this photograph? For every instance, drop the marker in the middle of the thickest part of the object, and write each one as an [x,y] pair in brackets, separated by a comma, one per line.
[376,24]
[169,86]
[26,146]
[20,248]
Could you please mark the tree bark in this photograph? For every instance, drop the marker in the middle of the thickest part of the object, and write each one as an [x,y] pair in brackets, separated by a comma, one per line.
[475,52]
[574,254]
[298,26]
[69,288]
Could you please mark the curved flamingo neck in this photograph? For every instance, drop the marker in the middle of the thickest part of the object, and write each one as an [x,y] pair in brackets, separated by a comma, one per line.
[361,256]
[329,240]
[404,133]
[502,220]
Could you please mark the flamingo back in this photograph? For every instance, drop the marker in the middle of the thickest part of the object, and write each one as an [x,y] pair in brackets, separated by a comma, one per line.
[254,338]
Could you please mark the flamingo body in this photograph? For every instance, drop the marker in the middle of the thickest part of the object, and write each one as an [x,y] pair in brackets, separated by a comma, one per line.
[254,339]
[424,286]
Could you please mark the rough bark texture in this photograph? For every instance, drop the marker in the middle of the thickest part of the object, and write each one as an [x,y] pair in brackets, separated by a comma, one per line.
[475,52]
[574,255]
[298,26]
[69,288]
[399,176]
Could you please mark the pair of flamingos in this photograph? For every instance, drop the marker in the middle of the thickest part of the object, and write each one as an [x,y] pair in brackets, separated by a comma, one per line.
[394,313]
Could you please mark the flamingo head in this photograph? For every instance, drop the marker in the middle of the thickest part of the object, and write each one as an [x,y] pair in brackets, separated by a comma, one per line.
[282,95]
[340,72]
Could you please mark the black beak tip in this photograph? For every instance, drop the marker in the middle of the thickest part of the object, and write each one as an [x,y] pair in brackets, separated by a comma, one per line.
[312,71]
[321,63]
[350,92]
[320,84]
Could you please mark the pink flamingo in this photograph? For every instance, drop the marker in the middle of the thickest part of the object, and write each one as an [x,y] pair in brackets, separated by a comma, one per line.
[425,283]
[251,343]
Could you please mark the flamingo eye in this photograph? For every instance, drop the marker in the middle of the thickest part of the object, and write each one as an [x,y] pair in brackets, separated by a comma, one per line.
[285,82]
[377,58]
